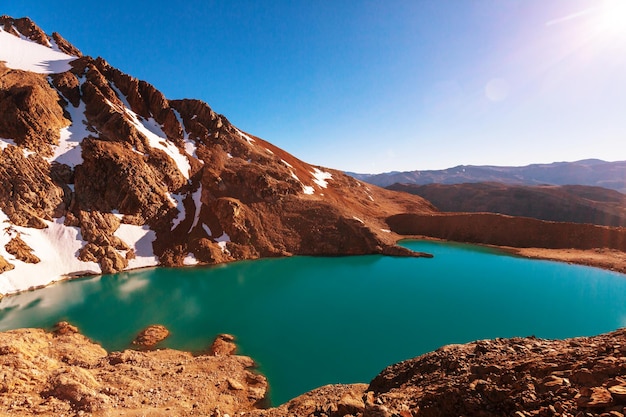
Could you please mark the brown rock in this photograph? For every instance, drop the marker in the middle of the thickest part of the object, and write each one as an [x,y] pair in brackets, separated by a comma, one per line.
[618,392]
[5,265]
[63,328]
[149,337]
[18,248]
[596,397]
[223,345]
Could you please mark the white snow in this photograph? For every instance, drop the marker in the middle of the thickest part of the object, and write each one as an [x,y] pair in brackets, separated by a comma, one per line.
[196,196]
[190,145]
[246,137]
[69,151]
[358,220]
[154,133]
[6,142]
[190,259]
[320,177]
[229,155]
[140,239]
[269,151]
[307,189]
[56,246]
[23,54]
[222,240]
[386,230]
[158,139]
[178,201]
[286,163]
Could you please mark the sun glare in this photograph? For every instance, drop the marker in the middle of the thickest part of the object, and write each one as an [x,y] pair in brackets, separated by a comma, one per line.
[612,17]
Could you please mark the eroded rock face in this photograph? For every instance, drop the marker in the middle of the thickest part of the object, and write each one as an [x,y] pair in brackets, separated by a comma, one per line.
[28,192]
[32,112]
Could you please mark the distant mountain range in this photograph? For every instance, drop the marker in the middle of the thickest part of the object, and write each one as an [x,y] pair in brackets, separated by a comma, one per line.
[593,172]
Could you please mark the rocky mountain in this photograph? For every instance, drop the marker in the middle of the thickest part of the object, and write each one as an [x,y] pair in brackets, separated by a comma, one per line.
[99,172]
[567,203]
[592,172]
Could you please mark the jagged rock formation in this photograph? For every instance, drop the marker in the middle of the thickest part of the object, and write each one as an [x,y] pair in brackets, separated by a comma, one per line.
[91,154]
[62,372]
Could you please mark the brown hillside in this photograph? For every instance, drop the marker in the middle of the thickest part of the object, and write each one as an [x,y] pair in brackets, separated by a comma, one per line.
[568,203]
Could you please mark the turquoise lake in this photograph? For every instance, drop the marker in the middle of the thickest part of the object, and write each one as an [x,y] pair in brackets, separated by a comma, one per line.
[313,321]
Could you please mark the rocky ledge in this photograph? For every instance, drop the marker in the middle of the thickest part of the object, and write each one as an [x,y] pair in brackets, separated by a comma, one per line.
[63,373]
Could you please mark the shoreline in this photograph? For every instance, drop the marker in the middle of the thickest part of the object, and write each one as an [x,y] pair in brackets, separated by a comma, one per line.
[602,258]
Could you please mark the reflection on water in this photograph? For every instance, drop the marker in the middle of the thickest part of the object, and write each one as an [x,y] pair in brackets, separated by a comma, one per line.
[313,321]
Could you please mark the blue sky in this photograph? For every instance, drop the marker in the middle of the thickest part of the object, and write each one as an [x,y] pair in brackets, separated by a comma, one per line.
[373,86]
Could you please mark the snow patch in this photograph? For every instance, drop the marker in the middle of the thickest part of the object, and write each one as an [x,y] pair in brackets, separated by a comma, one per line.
[23,54]
[140,239]
[190,145]
[358,220]
[269,151]
[69,151]
[229,155]
[155,135]
[386,230]
[190,259]
[56,246]
[6,142]
[244,136]
[286,163]
[320,177]
[196,196]
[178,201]
[307,189]
[221,242]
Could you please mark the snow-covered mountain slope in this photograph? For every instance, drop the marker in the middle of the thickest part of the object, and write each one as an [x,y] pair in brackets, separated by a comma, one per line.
[99,173]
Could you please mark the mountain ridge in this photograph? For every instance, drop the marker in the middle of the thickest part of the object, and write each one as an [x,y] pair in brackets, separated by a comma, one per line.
[592,172]
[104,165]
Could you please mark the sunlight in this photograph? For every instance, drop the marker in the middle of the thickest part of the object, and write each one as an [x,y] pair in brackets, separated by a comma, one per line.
[612,17]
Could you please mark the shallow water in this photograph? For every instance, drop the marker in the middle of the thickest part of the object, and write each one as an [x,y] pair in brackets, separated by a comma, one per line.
[313,321]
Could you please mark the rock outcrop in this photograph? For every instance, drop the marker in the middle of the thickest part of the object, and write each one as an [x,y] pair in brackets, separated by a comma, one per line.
[62,372]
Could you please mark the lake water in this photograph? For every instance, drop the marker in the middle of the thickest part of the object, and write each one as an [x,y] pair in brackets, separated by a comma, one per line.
[313,321]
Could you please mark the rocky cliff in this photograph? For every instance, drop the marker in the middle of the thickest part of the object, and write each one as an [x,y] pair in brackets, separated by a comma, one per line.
[63,373]
[99,172]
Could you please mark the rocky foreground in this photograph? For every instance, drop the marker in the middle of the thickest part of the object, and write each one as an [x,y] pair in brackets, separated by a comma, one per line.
[62,373]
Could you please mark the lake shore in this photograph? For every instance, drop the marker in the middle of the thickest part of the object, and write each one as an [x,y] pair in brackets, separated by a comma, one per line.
[603,258]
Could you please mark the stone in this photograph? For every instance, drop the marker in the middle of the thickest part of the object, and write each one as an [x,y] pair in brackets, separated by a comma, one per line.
[223,345]
[149,337]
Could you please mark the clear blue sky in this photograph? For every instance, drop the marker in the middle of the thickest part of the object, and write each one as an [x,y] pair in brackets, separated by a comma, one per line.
[373,86]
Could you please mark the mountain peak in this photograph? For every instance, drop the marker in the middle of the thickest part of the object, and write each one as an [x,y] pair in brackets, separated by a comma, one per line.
[100,172]
[26,47]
